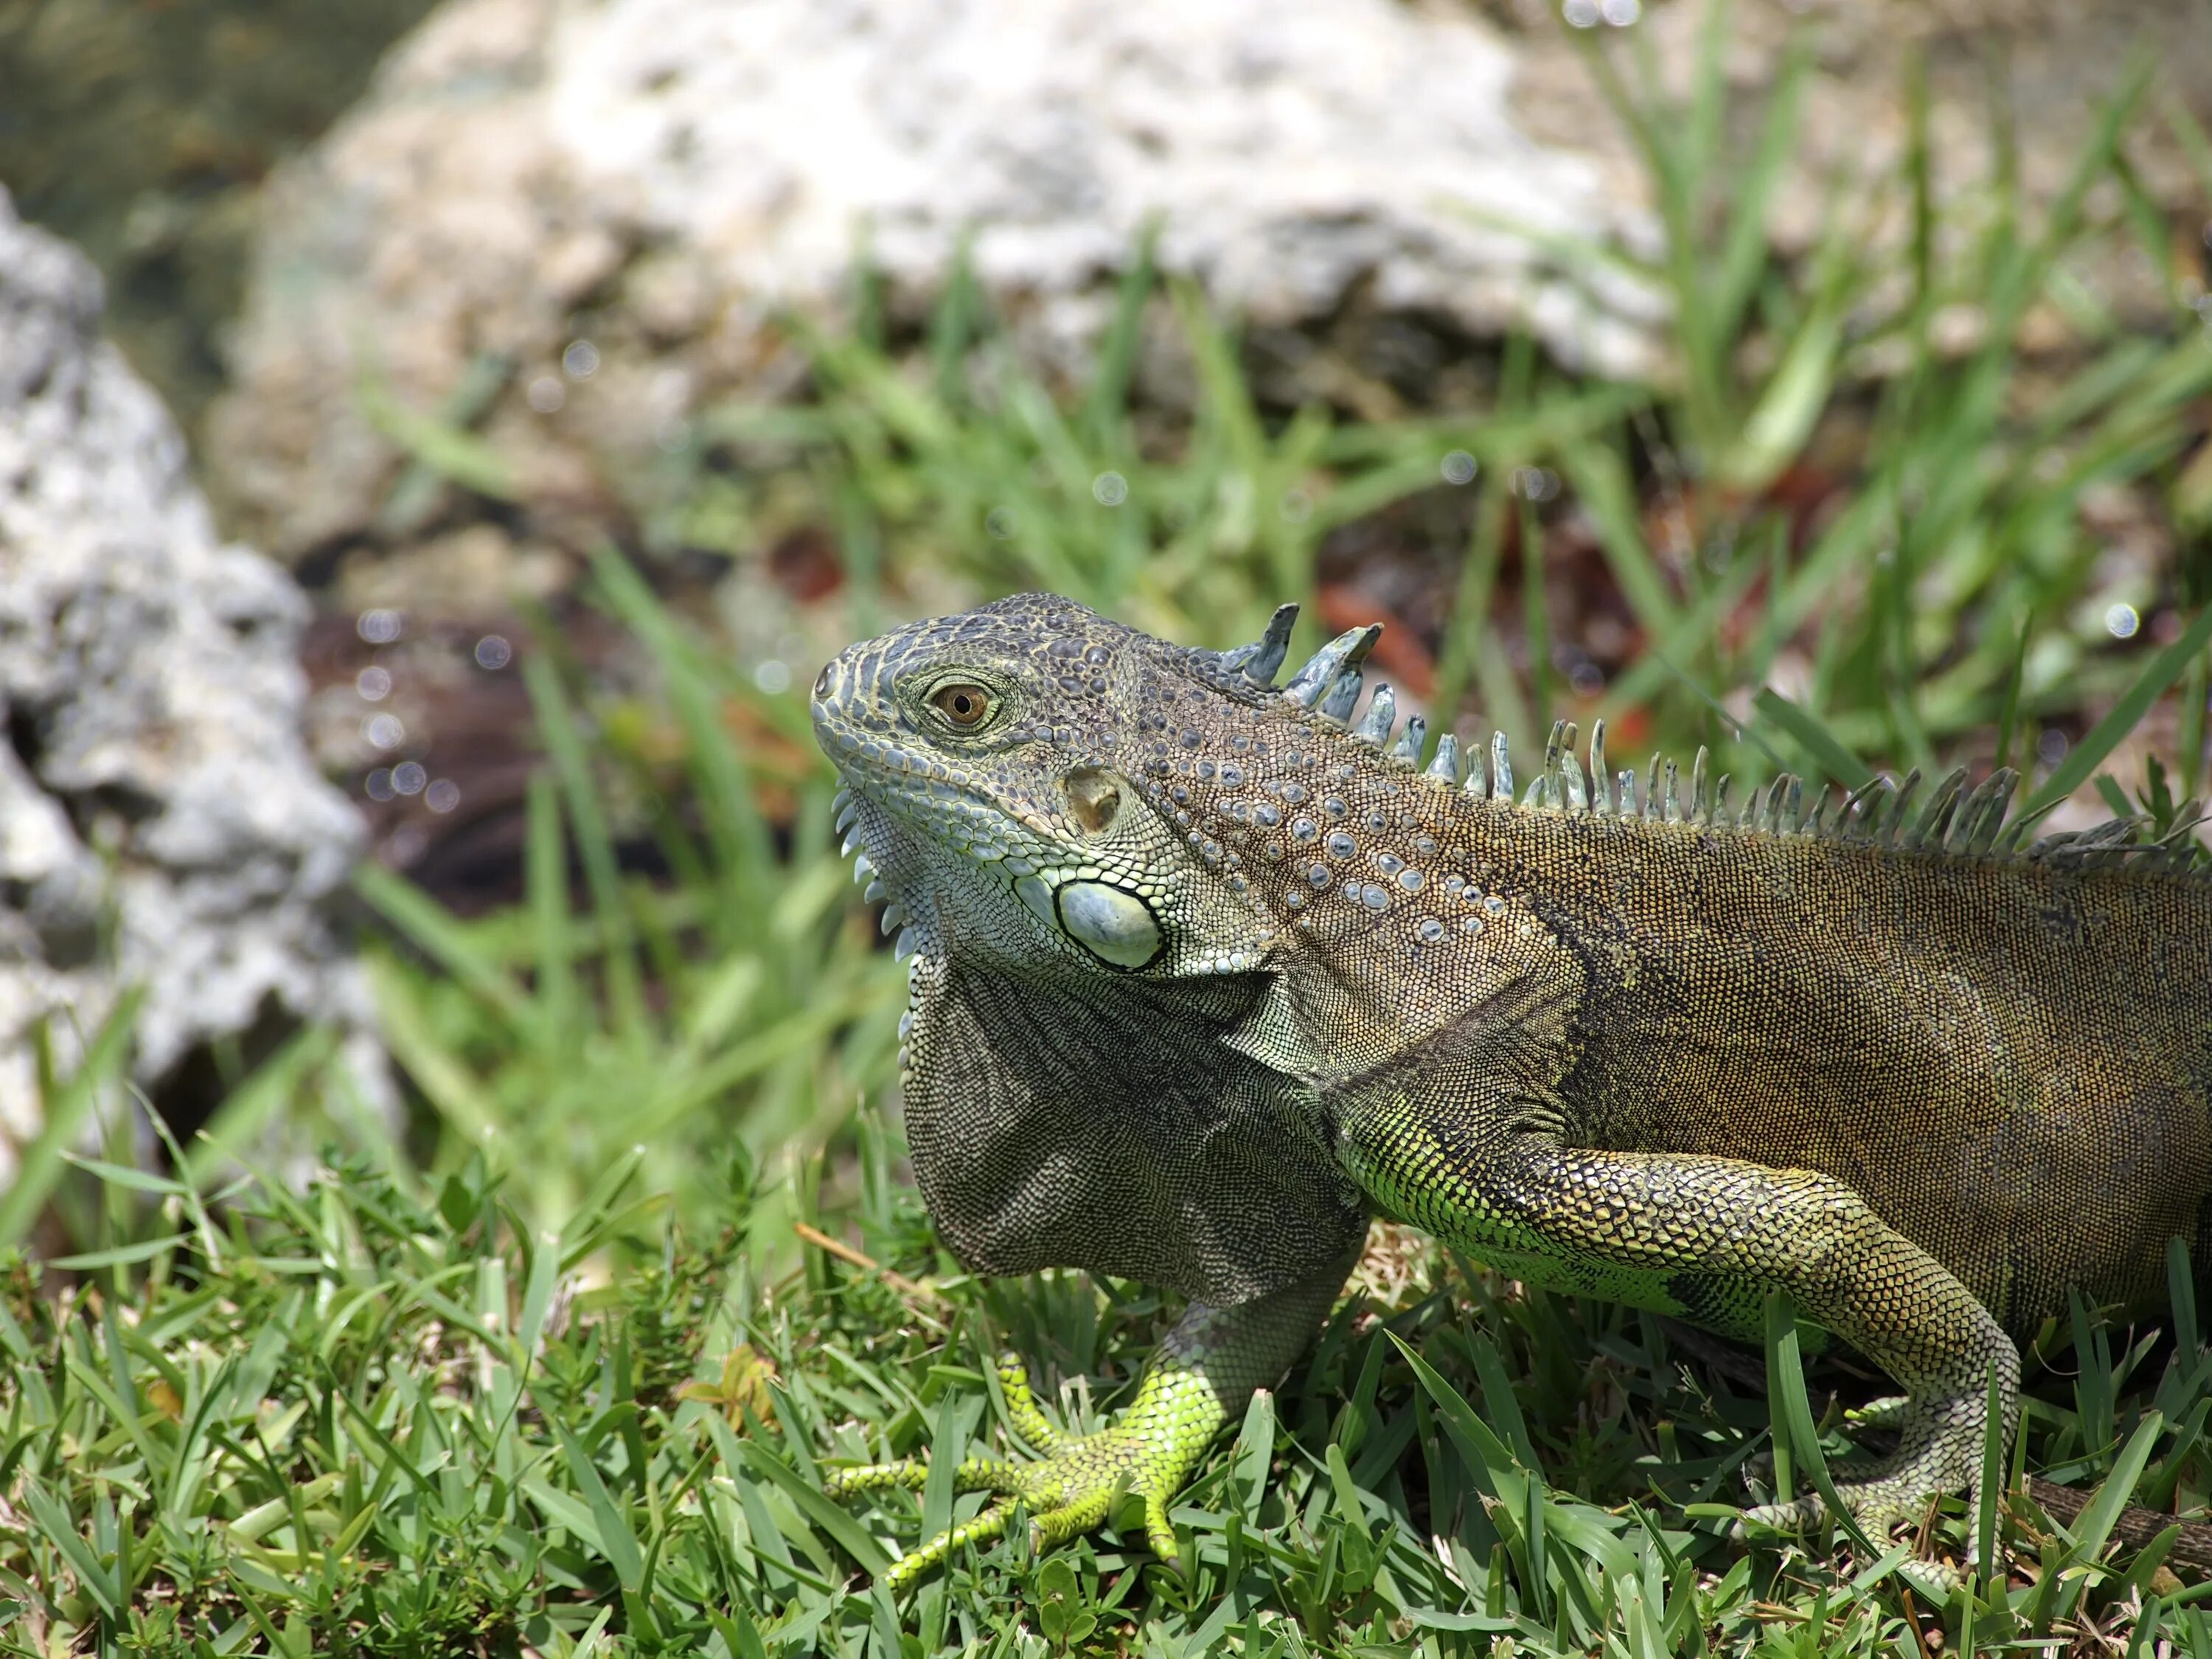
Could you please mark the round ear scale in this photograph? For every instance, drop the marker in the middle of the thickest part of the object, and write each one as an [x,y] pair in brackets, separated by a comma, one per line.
[1115,926]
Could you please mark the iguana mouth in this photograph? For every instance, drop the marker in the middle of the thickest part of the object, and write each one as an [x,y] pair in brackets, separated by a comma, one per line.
[928,797]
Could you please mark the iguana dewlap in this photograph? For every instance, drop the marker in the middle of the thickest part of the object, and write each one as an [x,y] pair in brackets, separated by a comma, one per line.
[1204,974]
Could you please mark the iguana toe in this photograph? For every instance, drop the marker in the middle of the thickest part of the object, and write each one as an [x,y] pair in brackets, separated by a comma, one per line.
[1887,1412]
[1069,1492]
[910,1473]
[986,1527]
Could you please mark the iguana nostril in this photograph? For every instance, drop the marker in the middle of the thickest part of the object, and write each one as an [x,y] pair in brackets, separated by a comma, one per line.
[1094,798]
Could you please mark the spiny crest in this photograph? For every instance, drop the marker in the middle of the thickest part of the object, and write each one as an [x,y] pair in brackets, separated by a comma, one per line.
[1880,812]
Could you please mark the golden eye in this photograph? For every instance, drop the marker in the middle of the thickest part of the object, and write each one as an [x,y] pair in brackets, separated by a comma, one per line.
[965,706]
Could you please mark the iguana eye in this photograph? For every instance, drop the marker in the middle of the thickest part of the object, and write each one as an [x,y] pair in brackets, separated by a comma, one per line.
[966,706]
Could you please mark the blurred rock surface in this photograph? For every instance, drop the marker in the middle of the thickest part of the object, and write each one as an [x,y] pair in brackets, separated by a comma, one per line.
[655,177]
[162,824]
[140,132]
[566,225]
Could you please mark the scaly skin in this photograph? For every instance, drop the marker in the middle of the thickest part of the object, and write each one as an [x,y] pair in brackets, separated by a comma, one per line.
[1203,977]
[1627,1226]
[1201,1380]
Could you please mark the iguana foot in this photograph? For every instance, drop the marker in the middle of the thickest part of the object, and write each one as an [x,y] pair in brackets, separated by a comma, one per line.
[1072,1491]
[1938,1452]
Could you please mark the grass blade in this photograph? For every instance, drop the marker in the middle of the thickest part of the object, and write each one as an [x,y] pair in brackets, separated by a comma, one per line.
[65,1109]
[2087,756]
[851,1537]
[1793,1414]
[1821,746]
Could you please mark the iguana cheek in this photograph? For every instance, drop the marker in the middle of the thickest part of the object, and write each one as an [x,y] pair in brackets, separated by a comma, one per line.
[1113,926]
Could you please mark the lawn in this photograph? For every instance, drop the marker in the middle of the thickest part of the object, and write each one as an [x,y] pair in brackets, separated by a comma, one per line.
[561,1371]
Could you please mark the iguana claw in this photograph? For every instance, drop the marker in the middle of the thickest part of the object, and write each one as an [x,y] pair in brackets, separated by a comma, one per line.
[1070,1492]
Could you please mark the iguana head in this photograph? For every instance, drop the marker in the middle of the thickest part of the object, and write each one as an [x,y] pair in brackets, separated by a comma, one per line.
[1042,792]
[992,761]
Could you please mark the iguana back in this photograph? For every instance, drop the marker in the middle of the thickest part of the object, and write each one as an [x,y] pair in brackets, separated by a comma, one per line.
[2011,1061]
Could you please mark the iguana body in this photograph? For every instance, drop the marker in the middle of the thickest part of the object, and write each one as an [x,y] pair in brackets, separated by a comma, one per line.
[1204,978]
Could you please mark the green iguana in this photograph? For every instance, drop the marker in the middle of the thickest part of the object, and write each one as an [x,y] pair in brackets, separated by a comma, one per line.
[1204,976]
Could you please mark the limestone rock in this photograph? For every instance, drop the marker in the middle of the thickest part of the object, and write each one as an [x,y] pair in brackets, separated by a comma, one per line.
[160,822]
[569,224]
[658,176]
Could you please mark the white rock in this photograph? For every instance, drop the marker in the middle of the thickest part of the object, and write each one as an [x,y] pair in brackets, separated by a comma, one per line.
[680,170]
[160,822]
[1290,152]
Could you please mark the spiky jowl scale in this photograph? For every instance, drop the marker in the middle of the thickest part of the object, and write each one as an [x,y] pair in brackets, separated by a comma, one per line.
[1206,975]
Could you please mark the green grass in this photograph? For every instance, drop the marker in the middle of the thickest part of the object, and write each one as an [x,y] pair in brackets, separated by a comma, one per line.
[560,1373]
[397,1417]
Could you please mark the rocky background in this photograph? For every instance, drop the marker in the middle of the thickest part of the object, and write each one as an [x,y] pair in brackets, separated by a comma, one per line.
[163,825]
[655,182]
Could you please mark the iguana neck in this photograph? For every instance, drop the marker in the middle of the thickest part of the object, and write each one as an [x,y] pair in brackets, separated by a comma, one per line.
[1390,894]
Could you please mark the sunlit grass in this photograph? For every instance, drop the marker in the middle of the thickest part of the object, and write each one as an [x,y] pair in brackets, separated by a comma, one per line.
[381,1417]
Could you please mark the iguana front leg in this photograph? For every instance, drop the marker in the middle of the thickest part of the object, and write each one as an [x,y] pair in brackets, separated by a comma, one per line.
[1198,1382]
[1705,1238]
